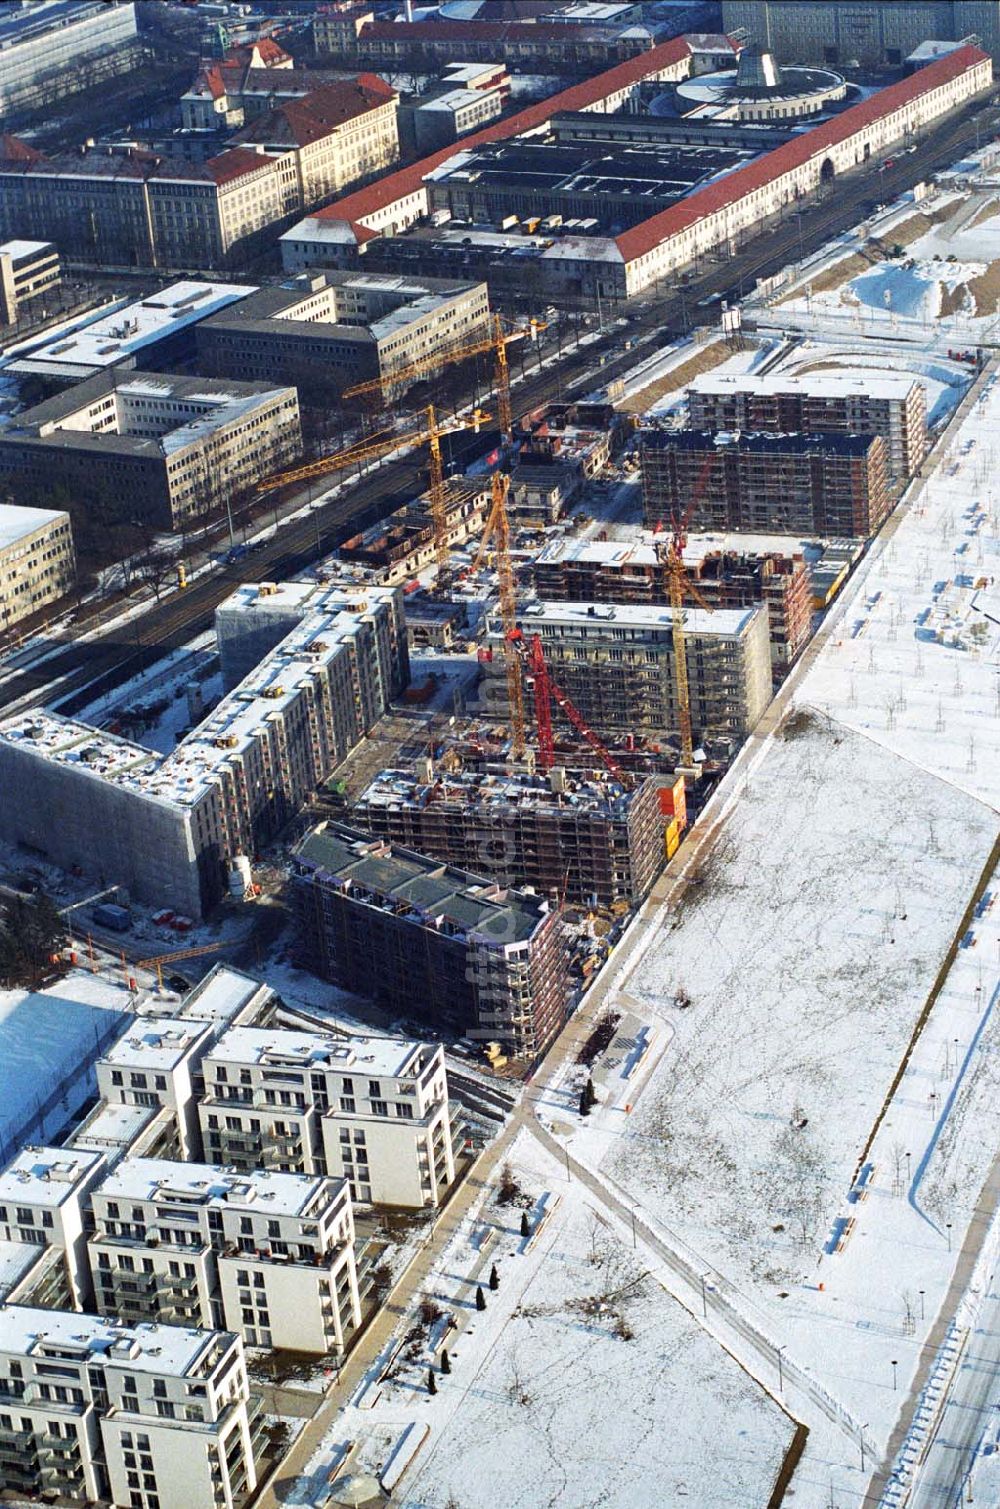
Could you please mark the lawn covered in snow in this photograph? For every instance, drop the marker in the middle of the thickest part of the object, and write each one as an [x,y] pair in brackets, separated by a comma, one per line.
[582,1383]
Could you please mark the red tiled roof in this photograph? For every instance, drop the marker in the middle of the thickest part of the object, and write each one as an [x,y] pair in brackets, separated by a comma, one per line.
[405,181]
[318,113]
[13,149]
[793,154]
[268,50]
[234,163]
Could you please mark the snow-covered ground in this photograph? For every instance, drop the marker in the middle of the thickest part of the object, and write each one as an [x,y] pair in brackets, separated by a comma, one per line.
[49,1040]
[574,1386]
[808,943]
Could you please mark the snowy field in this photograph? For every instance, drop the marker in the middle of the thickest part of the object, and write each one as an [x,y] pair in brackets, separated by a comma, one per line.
[809,943]
[578,1321]
[48,1040]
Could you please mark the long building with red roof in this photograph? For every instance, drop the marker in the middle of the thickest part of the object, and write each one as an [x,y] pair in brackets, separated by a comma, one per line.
[712,215]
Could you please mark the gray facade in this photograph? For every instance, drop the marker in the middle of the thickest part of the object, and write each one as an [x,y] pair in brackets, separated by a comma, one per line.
[872,33]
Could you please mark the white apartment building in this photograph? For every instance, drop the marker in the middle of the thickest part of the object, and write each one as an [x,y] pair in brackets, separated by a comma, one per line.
[37,560]
[28,269]
[44,1194]
[373,1111]
[154,1064]
[268,1255]
[143,1417]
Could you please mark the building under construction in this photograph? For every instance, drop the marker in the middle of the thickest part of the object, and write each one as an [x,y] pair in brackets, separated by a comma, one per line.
[828,403]
[431,941]
[584,839]
[828,485]
[610,571]
[616,664]
[406,542]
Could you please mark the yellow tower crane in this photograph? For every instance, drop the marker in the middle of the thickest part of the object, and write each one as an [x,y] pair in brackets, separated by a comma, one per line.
[497,341]
[498,529]
[670,554]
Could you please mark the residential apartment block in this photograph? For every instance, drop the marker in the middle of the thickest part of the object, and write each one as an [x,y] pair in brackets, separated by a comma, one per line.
[267,1255]
[581,839]
[373,1111]
[28,270]
[37,560]
[339,328]
[170,828]
[616,663]
[44,1198]
[166,448]
[336,135]
[157,1064]
[827,485]
[819,403]
[435,942]
[143,1417]
[611,571]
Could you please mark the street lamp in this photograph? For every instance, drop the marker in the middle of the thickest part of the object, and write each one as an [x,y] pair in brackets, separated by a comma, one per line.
[781,1376]
[948,1229]
[861,1443]
[921,1293]
[704,1298]
[893,1365]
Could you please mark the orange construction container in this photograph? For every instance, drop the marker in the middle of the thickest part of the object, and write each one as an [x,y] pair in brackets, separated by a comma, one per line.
[673,801]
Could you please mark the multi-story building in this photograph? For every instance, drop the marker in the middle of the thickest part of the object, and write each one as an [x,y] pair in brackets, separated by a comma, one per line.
[616,663]
[836,403]
[267,1255]
[866,33]
[166,448]
[28,270]
[44,1196]
[611,571]
[50,51]
[828,485]
[339,328]
[172,827]
[147,1416]
[582,839]
[336,135]
[399,547]
[139,208]
[373,1111]
[156,1064]
[430,940]
[422,45]
[335,28]
[37,560]
[245,82]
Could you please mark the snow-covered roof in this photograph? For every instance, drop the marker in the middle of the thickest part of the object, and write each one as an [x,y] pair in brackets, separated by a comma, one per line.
[221,995]
[158,1043]
[46,1175]
[373,1056]
[111,1126]
[16,523]
[113,339]
[829,384]
[161,1179]
[725,623]
[16,1259]
[16,249]
[170,1351]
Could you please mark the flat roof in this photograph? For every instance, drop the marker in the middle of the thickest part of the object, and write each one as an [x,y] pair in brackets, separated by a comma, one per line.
[642,551]
[17,523]
[394,1056]
[46,1175]
[207,1183]
[16,1259]
[155,1043]
[221,995]
[759,441]
[726,623]
[822,384]
[18,248]
[112,1126]
[322,622]
[173,1351]
[114,338]
[434,892]
[400,788]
